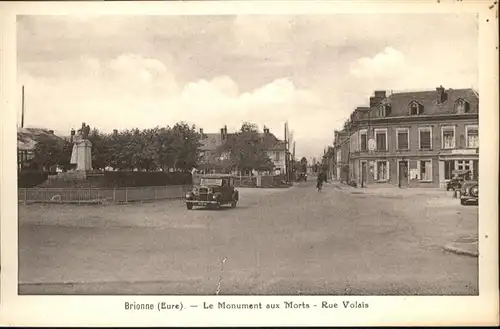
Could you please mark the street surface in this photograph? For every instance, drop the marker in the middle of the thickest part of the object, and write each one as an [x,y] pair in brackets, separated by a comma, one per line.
[277,241]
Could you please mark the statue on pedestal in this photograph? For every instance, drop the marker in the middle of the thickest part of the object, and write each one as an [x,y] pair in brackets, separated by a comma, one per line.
[80,156]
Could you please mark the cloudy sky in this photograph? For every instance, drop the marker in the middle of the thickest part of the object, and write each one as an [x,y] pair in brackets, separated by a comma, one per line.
[125,72]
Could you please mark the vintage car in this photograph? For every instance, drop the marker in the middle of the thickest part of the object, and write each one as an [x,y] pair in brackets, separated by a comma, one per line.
[213,191]
[459,176]
[469,192]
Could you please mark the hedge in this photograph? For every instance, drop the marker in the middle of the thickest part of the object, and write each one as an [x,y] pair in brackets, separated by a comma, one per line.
[139,178]
[27,179]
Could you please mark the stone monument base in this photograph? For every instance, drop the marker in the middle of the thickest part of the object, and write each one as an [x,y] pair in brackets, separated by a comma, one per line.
[82,156]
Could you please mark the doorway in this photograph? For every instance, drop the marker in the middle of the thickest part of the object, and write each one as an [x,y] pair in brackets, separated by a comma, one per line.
[363,174]
[403,174]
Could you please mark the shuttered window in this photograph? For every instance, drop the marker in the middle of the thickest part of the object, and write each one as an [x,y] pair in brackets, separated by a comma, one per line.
[403,140]
[425,139]
[381,139]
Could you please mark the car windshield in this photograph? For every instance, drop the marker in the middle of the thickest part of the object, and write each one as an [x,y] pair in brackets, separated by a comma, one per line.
[211,181]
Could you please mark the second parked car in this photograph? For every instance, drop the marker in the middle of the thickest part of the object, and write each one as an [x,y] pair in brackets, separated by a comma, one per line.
[469,192]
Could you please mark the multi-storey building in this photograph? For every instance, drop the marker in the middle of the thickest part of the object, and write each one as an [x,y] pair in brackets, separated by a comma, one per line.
[341,155]
[414,139]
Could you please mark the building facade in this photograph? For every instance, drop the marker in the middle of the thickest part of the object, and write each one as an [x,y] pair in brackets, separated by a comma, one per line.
[414,139]
[341,155]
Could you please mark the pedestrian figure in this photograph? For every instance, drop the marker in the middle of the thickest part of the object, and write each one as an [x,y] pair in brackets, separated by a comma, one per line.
[320,180]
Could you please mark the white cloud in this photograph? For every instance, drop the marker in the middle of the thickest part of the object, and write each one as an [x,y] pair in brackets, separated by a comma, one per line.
[132,91]
[312,70]
[389,62]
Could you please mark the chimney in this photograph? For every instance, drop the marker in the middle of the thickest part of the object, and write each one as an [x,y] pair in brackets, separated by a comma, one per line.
[441,94]
[201,131]
[115,132]
[222,135]
[378,97]
[51,132]
[225,130]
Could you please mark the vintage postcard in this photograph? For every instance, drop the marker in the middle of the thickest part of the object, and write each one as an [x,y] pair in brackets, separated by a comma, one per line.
[249,163]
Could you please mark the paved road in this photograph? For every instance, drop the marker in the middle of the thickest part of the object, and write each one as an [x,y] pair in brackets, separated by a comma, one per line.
[281,241]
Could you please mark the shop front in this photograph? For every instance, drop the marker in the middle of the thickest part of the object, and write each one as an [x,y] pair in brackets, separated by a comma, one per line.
[458,160]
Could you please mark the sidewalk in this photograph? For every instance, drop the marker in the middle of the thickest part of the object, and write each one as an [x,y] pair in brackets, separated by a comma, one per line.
[387,190]
[466,245]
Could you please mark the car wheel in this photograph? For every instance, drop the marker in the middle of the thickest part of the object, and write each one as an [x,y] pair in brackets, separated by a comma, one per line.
[189,206]
[463,202]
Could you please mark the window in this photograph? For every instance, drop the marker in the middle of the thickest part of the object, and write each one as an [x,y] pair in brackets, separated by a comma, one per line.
[425,170]
[449,165]
[463,165]
[277,156]
[461,106]
[403,140]
[425,138]
[448,137]
[416,108]
[381,139]
[363,140]
[472,136]
[381,172]
[384,110]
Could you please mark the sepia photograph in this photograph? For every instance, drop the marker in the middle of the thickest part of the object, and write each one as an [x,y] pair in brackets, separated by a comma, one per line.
[248,155]
[237,162]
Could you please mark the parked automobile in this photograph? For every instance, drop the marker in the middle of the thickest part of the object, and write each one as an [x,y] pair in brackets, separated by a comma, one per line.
[459,176]
[469,192]
[214,190]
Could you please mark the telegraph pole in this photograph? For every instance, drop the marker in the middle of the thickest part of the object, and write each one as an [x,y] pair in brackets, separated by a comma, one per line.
[22,109]
[286,152]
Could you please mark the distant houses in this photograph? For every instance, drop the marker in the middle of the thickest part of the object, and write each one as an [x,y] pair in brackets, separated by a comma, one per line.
[212,161]
[27,138]
[410,139]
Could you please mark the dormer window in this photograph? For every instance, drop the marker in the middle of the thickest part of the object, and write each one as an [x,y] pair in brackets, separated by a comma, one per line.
[416,108]
[386,110]
[461,106]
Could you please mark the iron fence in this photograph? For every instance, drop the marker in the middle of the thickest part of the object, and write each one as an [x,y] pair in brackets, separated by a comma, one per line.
[102,195]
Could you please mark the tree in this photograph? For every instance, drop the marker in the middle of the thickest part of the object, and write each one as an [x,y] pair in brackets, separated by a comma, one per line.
[185,146]
[101,157]
[246,150]
[49,153]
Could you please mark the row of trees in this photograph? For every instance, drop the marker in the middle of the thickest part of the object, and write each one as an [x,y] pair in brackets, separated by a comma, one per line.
[160,148]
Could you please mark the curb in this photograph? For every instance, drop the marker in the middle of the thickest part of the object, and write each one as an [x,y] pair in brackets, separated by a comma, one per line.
[457,249]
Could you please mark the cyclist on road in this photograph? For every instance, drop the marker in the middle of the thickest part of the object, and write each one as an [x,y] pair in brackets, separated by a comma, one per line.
[320,180]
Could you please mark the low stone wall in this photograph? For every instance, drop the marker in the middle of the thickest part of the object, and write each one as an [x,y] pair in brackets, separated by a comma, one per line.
[102,195]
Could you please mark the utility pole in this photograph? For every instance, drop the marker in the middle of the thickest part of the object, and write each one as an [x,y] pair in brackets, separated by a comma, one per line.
[286,152]
[22,109]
